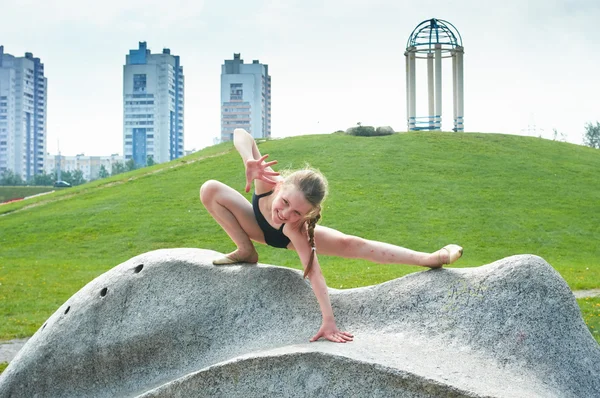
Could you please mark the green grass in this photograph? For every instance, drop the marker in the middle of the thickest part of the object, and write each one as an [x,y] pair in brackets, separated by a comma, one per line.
[3,365]
[497,195]
[590,310]
[8,192]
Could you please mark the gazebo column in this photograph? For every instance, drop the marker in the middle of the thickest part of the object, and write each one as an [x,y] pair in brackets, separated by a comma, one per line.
[460,98]
[454,93]
[407,91]
[411,87]
[438,86]
[430,93]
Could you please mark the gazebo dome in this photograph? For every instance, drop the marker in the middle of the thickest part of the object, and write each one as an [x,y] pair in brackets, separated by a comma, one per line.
[431,32]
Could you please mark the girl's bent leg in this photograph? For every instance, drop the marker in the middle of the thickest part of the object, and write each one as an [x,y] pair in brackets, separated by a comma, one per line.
[235,215]
[331,242]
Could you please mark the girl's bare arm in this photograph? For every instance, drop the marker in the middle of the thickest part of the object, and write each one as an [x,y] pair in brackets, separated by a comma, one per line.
[328,327]
[245,145]
[256,168]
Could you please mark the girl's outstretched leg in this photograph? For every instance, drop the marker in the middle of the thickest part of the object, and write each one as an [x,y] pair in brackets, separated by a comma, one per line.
[235,215]
[331,242]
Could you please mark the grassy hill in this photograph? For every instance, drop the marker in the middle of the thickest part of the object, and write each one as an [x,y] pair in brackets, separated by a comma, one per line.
[496,195]
[10,192]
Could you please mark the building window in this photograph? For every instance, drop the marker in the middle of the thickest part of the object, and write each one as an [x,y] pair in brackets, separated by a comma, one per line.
[139,83]
[236,91]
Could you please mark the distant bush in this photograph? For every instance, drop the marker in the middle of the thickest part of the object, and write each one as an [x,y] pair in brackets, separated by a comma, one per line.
[370,131]
[592,135]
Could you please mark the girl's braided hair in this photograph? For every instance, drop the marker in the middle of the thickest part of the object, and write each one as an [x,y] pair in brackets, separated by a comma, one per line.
[313,185]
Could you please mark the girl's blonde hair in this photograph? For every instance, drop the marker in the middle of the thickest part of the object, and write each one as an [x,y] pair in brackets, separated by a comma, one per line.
[313,185]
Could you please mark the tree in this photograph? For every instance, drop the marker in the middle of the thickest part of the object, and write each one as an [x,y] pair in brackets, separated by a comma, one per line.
[558,136]
[150,160]
[117,168]
[103,173]
[42,179]
[8,177]
[66,176]
[78,178]
[592,135]
[130,165]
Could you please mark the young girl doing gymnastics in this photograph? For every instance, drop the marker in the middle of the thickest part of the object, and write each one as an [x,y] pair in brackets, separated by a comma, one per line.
[284,213]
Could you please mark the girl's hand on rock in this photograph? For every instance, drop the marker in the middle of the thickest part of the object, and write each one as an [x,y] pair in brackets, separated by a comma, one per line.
[330,332]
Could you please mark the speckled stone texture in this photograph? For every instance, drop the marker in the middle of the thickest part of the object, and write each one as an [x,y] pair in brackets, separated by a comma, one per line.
[170,324]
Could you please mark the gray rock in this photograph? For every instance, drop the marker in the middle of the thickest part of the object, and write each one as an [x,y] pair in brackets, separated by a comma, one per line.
[385,130]
[364,131]
[168,323]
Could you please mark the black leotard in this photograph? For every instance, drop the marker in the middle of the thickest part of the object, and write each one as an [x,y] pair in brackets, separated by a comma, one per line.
[273,237]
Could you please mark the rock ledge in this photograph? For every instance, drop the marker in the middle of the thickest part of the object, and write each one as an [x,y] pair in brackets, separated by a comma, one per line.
[169,323]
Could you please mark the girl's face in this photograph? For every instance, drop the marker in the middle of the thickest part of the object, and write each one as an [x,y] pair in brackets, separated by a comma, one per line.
[289,206]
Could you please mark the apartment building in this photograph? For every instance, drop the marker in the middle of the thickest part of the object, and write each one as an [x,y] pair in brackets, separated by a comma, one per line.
[23,101]
[153,104]
[245,98]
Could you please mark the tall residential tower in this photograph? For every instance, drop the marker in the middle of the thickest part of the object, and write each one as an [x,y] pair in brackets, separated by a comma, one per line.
[23,94]
[152,106]
[245,98]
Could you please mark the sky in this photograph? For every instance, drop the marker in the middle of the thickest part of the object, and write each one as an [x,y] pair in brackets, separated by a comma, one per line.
[530,67]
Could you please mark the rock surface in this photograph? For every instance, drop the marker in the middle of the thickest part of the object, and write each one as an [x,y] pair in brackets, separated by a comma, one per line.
[169,323]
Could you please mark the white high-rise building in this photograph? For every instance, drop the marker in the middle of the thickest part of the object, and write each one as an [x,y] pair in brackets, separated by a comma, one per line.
[245,98]
[23,94]
[152,106]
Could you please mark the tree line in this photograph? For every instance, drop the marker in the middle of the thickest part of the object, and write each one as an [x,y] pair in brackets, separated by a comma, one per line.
[591,138]
[75,177]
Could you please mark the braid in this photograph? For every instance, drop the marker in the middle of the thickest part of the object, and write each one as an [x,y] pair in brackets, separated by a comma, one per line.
[313,186]
[311,240]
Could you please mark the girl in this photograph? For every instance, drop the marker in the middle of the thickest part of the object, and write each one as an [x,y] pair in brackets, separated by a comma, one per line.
[284,214]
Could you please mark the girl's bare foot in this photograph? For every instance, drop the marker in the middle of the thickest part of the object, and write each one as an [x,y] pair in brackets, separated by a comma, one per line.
[238,256]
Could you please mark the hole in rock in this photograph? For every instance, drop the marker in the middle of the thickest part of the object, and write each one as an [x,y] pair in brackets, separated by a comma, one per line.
[67,310]
[138,268]
[44,327]
[103,292]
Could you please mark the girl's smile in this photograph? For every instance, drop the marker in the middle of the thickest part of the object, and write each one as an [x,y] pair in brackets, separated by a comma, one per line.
[289,206]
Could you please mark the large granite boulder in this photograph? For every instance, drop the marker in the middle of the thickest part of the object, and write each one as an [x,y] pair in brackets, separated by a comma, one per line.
[169,323]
